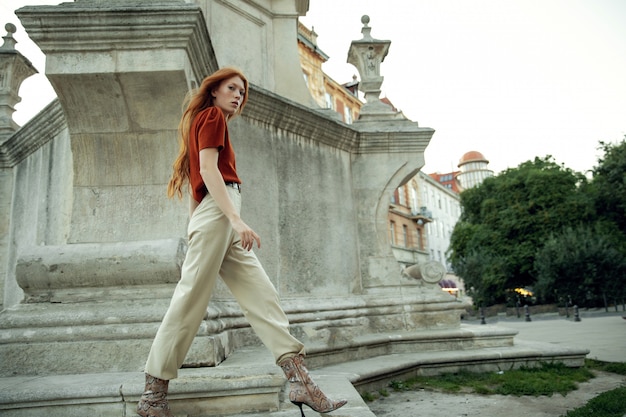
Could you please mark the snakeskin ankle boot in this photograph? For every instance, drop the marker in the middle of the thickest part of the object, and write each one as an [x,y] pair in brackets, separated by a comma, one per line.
[153,402]
[302,388]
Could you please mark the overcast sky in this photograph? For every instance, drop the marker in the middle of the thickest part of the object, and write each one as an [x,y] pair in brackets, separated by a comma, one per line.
[513,79]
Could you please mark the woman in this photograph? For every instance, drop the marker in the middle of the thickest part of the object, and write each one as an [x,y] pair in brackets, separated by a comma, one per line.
[220,242]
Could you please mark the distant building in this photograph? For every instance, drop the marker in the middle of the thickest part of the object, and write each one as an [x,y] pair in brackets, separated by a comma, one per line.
[474,170]
[444,207]
[328,93]
[407,224]
[448,180]
[422,215]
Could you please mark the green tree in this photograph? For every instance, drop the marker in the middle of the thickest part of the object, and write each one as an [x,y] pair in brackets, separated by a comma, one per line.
[582,263]
[609,184]
[506,218]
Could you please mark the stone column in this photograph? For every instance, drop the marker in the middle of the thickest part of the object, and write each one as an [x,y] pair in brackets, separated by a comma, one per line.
[391,152]
[121,70]
[14,69]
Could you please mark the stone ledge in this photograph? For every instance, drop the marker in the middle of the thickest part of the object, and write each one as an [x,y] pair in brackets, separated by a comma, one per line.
[41,270]
[38,131]
[249,382]
[375,373]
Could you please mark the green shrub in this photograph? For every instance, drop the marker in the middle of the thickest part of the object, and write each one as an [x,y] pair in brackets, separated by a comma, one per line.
[608,404]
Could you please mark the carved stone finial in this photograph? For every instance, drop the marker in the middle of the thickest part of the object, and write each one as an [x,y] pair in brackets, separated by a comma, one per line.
[366,55]
[9,41]
[366,30]
[14,68]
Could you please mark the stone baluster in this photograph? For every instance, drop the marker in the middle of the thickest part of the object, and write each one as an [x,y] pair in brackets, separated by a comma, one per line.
[14,69]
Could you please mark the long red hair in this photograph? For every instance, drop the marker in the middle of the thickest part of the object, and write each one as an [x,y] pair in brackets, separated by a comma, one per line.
[196,101]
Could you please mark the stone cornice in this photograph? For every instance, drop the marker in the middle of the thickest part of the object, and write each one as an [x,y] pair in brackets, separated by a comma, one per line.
[36,133]
[393,137]
[301,7]
[115,25]
[278,112]
[400,136]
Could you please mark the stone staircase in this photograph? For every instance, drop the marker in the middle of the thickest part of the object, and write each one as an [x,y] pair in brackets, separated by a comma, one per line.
[248,383]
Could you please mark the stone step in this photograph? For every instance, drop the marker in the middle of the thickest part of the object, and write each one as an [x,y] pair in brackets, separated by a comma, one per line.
[250,384]
[109,336]
[99,349]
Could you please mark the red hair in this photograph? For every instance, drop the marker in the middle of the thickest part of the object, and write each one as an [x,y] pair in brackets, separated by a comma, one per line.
[196,101]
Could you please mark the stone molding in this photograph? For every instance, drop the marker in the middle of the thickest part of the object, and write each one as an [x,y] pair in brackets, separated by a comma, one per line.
[85,26]
[46,125]
[402,136]
[276,112]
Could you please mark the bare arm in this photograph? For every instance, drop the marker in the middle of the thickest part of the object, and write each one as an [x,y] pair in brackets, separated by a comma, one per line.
[215,184]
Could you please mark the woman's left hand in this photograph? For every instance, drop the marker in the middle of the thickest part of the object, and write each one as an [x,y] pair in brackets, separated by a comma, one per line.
[247,235]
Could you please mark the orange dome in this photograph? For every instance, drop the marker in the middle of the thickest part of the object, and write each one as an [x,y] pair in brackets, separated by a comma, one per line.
[472,156]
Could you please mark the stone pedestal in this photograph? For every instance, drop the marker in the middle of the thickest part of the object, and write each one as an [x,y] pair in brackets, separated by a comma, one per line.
[315,189]
[96,247]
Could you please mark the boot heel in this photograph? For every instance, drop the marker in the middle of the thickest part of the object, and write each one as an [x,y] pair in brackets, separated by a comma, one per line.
[299,405]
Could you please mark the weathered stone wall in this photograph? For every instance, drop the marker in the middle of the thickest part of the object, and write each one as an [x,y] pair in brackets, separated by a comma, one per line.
[40,199]
[97,246]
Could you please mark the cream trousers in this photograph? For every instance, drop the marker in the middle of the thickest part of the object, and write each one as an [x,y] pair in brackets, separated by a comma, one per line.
[215,249]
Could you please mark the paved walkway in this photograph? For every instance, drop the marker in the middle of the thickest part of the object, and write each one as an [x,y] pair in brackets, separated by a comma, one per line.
[603,334]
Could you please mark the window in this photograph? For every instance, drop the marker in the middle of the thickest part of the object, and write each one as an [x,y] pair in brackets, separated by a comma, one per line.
[414,203]
[329,101]
[347,115]
[401,196]
[420,243]
[405,235]
[392,232]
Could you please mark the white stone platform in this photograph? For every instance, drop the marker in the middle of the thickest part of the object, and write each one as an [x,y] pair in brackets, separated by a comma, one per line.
[248,383]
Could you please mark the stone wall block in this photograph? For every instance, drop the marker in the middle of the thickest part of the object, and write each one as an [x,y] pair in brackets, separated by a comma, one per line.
[121,71]
[43,270]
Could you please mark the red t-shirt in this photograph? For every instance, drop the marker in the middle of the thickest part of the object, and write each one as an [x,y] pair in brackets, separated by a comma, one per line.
[209,130]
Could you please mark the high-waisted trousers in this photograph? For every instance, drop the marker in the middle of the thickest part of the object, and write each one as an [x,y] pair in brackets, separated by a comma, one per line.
[215,250]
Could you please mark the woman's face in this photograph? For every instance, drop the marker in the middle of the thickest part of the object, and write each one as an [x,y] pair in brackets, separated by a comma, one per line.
[229,95]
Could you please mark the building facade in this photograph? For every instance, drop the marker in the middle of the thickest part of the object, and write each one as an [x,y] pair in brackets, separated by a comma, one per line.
[327,93]
[443,204]
[422,215]
[407,224]
[449,180]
